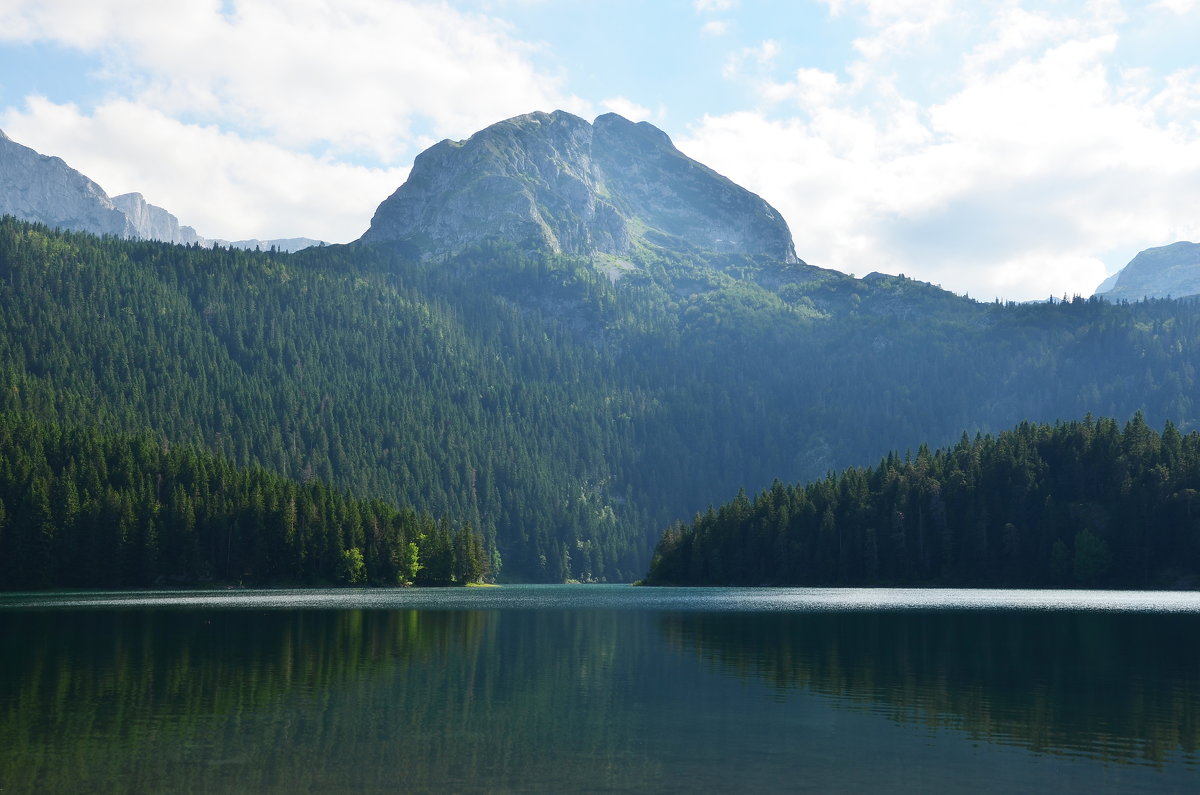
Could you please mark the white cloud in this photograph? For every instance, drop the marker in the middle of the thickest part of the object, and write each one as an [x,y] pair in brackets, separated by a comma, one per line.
[1180,7]
[298,84]
[1040,169]
[761,57]
[353,76]
[708,6]
[896,24]
[1019,31]
[809,88]
[1180,97]
[995,148]
[627,108]
[218,182]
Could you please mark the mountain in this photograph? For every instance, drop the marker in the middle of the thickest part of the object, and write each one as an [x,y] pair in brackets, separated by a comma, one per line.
[35,187]
[553,182]
[149,222]
[289,244]
[1107,284]
[1163,272]
[517,387]
[153,223]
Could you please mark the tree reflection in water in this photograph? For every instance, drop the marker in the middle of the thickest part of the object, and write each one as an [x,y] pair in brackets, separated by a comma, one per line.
[1117,687]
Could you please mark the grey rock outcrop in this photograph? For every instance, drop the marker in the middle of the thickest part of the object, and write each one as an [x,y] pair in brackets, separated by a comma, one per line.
[1108,284]
[1162,272]
[153,223]
[35,187]
[553,181]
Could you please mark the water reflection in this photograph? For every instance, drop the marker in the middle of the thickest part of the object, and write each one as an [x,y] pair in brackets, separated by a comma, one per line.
[602,696]
[1119,687]
[358,700]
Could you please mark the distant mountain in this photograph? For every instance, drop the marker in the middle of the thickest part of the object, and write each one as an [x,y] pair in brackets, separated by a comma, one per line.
[554,182]
[1107,284]
[153,223]
[282,243]
[1167,271]
[36,187]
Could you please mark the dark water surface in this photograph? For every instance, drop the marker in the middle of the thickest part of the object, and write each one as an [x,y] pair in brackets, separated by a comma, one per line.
[600,689]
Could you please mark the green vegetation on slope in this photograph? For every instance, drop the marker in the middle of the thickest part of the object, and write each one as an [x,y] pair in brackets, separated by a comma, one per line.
[1073,504]
[565,417]
[81,508]
[330,366]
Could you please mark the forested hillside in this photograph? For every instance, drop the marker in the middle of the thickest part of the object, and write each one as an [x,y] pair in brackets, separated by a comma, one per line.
[1081,504]
[566,417]
[322,367]
[81,508]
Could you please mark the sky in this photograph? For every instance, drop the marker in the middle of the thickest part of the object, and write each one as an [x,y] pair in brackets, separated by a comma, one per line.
[1007,149]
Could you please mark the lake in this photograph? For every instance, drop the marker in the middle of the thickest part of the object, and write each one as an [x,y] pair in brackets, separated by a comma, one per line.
[600,689]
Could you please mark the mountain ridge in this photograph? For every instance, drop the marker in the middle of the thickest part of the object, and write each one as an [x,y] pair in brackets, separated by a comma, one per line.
[1170,271]
[553,181]
[45,189]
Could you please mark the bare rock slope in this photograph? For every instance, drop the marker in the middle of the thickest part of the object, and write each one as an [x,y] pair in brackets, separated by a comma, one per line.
[35,187]
[553,181]
[1162,272]
[44,189]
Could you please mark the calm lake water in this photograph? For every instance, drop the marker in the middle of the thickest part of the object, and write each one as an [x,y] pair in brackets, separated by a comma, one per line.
[600,689]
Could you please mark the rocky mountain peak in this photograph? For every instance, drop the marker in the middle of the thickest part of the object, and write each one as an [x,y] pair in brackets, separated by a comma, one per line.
[643,132]
[552,181]
[45,189]
[153,223]
[1165,271]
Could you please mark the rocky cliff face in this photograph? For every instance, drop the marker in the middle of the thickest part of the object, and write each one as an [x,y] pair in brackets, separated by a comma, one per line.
[153,223]
[553,181]
[1166,271]
[35,187]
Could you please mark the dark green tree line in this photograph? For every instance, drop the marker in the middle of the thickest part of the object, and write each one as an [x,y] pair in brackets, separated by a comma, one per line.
[1078,504]
[82,508]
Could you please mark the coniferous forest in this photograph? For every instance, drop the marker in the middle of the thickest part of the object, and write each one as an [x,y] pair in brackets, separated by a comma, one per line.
[525,398]
[83,509]
[1074,504]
